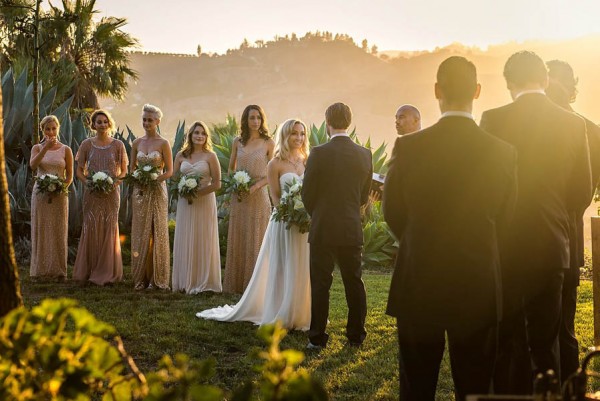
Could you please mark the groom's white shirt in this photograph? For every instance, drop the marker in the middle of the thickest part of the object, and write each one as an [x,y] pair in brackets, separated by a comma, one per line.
[341,134]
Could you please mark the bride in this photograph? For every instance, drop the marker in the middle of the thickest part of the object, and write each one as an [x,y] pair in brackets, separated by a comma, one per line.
[280,285]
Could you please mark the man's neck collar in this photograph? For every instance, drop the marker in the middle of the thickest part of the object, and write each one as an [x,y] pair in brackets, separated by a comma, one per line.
[457,113]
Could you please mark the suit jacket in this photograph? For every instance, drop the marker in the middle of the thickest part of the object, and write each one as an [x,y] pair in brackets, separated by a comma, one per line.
[577,238]
[449,191]
[554,179]
[336,183]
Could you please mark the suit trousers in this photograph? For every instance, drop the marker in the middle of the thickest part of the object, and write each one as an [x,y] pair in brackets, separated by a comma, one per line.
[569,347]
[322,261]
[421,348]
[529,330]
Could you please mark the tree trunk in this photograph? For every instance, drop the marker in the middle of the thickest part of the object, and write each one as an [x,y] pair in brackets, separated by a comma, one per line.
[10,291]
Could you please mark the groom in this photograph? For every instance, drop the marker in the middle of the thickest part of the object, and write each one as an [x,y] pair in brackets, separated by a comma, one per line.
[337,180]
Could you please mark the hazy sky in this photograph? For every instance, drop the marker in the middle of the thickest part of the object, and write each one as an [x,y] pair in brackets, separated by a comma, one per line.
[179,26]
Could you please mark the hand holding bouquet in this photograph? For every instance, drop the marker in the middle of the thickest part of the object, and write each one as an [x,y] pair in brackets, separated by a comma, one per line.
[50,184]
[100,182]
[291,208]
[188,187]
[238,183]
[144,176]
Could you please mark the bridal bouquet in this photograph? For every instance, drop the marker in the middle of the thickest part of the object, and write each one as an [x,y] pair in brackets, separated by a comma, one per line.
[188,187]
[100,182]
[238,182]
[50,184]
[291,208]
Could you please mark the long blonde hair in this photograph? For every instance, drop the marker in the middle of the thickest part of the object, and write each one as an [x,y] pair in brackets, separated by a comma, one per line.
[282,148]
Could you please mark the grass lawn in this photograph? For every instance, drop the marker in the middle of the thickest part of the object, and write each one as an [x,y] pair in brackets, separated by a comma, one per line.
[153,323]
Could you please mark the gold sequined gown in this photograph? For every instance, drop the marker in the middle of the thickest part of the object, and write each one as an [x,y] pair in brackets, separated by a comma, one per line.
[150,264]
[49,222]
[196,255]
[248,222]
[99,253]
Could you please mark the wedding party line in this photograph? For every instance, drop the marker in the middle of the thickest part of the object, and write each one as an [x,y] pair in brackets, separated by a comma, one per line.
[488,219]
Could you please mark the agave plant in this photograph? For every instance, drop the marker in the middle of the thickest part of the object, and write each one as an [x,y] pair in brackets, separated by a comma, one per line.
[380,246]
[222,138]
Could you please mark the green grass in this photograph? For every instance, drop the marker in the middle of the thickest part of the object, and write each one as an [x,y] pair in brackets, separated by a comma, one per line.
[153,323]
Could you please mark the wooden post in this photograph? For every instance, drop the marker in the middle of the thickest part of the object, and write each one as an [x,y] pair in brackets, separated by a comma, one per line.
[596,276]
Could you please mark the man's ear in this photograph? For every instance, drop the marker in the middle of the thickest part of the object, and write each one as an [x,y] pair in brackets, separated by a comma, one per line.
[477,92]
[438,91]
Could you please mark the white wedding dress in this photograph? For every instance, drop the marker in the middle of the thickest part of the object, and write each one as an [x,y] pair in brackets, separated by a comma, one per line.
[280,285]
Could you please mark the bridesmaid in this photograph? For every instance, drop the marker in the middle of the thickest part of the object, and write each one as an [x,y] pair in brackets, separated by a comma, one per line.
[196,256]
[99,253]
[49,220]
[248,219]
[150,254]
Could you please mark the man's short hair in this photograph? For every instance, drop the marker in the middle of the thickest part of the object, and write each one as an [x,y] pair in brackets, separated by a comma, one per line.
[525,67]
[338,116]
[457,79]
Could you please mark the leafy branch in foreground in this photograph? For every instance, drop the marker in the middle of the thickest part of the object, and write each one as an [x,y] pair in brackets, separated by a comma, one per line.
[60,351]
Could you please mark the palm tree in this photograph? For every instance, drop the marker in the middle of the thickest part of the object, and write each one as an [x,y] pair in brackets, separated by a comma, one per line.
[10,293]
[98,51]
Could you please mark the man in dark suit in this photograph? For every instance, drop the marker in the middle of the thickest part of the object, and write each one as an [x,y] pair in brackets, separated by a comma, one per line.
[562,90]
[554,182]
[336,184]
[449,192]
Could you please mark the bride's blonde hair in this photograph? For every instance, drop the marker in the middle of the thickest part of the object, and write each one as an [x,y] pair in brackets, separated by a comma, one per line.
[282,148]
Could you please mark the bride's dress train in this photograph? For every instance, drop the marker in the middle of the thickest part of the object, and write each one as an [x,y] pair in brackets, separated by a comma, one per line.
[280,285]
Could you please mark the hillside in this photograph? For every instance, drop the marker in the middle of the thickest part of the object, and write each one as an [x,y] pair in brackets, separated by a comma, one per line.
[302,77]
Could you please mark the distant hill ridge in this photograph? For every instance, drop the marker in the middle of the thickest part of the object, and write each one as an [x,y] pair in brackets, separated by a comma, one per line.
[300,77]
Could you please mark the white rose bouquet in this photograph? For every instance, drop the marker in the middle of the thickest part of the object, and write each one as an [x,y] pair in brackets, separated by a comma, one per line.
[238,182]
[100,182]
[144,176]
[52,185]
[291,208]
[188,187]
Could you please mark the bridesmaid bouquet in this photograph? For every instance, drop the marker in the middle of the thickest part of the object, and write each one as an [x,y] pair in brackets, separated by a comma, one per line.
[144,175]
[188,187]
[291,208]
[100,182]
[50,184]
[238,182]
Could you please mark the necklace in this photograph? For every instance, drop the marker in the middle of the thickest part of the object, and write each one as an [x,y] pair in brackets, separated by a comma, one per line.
[296,164]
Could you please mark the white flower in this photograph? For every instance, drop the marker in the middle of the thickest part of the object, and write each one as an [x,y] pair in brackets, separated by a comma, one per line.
[52,176]
[147,167]
[136,174]
[294,188]
[154,176]
[284,197]
[180,185]
[298,204]
[43,177]
[99,176]
[51,187]
[110,180]
[191,183]
[241,177]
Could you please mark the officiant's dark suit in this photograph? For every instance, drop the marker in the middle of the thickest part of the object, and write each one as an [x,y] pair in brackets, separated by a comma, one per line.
[449,192]
[336,183]
[554,183]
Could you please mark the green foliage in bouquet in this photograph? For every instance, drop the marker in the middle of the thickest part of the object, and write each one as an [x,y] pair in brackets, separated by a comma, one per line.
[291,208]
